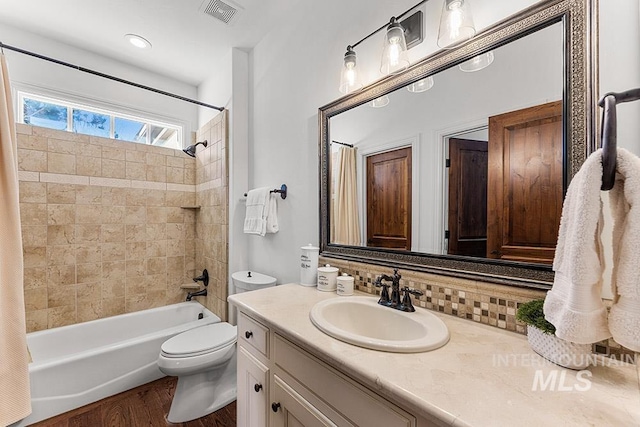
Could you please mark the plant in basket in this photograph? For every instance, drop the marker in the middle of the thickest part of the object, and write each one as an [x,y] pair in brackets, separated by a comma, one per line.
[540,334]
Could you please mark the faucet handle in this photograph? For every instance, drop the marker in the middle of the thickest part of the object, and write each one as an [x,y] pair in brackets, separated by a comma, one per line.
[407,305]
[415,292]
[384,294]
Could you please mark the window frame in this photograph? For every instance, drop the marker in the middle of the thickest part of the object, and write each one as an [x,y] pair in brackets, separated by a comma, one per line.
[70,105]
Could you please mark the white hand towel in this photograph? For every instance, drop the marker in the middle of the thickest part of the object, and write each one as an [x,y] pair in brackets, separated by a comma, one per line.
[624,318]
[272,213]
[574,304]
[255,221]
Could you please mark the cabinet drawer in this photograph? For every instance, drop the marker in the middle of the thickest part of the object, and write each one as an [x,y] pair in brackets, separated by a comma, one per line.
[295,410]
[354,402]
[254,334]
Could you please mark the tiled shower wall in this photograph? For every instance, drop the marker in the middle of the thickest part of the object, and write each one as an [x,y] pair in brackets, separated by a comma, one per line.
[212,217]
[104,231]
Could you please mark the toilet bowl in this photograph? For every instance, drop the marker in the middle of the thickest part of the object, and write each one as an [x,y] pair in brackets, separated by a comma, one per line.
[204,360]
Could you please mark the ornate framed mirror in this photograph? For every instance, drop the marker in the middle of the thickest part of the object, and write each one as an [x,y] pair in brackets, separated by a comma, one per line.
[421,196]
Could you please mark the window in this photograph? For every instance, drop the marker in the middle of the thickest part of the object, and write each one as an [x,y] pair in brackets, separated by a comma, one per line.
[44,114]
[63,115]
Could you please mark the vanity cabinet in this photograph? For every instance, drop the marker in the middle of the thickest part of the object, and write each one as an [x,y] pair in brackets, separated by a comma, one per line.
[253,390]
[253,373]
[283,385]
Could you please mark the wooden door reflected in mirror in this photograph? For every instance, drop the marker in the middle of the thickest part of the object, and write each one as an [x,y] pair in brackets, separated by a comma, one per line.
[525,181]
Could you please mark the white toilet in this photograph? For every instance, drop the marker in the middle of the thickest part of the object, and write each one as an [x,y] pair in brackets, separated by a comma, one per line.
[204,360]
[245,281]
[250,281]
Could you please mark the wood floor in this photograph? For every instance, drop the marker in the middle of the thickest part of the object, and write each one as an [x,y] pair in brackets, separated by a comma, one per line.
[144,406]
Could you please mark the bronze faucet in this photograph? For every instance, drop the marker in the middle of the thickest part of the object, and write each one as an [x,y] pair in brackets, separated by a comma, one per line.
[394,301]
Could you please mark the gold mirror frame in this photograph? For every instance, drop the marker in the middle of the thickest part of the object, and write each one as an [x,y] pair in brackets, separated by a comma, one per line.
[579,105]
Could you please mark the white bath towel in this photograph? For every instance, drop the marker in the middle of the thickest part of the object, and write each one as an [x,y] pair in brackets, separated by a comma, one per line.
[272,213]
[255,221]
[574,304]
[624,318]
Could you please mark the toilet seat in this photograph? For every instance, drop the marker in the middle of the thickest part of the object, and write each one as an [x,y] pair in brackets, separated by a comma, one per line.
[199,341]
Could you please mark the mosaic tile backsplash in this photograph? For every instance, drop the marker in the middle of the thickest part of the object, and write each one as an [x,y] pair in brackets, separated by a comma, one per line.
[477,301]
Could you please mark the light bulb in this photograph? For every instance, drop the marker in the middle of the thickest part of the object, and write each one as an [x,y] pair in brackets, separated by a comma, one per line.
[456,23]
[394,50]
[349,80]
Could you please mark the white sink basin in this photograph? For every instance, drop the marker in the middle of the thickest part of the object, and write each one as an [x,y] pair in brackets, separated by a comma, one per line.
[363,322]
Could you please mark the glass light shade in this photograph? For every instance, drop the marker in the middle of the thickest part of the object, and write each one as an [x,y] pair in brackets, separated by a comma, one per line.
[456,23]
[349,78]
[477,63]
[380,102]
[394,50]
[421,85]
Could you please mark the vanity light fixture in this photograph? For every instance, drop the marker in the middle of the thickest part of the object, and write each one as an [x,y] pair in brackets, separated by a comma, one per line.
[421,85]
[477,63]
[394,52]
[380,102]
[456,24]
[349,78]
[138,41]
[399,36]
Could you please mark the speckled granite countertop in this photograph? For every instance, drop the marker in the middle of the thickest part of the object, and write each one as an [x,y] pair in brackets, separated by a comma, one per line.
[483,377]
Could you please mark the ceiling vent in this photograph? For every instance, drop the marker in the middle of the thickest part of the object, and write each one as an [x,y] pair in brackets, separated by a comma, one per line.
[225,11]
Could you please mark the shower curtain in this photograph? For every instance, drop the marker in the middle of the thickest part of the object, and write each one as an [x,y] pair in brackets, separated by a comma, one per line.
[345,215]
[15,397]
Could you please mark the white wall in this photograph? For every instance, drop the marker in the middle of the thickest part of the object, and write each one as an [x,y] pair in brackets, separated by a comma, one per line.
[620,63]
[295,71]
[217,89]
[28,72]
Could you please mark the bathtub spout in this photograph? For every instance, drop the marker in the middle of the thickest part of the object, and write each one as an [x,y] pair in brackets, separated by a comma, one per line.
[200,293]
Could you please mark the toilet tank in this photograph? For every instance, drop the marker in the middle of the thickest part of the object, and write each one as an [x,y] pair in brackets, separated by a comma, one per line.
[250,281]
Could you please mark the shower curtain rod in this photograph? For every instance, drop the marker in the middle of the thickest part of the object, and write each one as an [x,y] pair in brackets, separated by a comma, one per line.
[107,76]
[342,143]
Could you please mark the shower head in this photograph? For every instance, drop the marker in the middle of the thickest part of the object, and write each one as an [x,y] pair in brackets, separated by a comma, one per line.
[191,150]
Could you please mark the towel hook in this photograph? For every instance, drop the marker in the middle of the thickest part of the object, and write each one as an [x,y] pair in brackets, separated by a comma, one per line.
[609,134]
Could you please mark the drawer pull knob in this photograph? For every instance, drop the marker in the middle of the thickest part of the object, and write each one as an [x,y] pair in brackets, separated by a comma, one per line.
[248,334]
[275,406]
[257,387]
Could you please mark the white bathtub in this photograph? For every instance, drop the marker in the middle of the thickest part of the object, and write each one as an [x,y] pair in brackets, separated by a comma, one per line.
[78,364]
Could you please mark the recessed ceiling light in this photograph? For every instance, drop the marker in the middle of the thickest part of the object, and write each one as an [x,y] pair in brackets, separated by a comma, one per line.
[137,41]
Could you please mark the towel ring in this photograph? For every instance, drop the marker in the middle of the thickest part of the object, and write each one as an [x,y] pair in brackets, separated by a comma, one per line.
[609,134]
